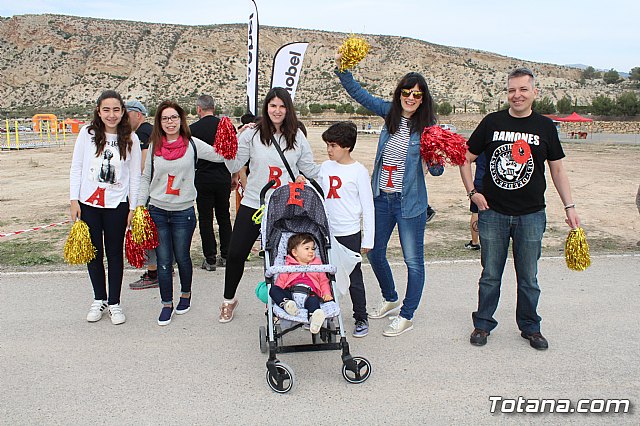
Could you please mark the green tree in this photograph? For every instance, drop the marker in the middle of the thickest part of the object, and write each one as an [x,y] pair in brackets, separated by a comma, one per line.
[544,106]
[304,110]
[589,73]
[611,77]
[445,108]
[339,109]
[564,105]
[363,111]
[627,104]
[315,108]
[348,108]
[602,105]
[634,74]
[238,111]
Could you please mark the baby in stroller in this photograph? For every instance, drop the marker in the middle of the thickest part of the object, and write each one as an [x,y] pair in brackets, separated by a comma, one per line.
[315,285]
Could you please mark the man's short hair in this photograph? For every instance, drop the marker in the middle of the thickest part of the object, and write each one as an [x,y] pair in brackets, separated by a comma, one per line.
[135,105]
[343,134]
[519,72]
[206,103]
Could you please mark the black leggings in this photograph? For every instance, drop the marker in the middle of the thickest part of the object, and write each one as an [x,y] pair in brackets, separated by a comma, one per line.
[244,234]
[110,224]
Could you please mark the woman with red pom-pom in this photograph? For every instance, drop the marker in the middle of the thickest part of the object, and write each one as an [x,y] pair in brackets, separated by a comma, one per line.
[278,124]
[104,182]
[168,187]
[399,190]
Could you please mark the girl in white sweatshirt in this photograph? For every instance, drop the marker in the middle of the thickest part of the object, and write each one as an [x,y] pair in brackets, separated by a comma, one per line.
[104,182]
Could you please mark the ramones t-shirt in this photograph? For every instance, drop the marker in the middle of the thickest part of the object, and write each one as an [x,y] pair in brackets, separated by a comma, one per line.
[516,150]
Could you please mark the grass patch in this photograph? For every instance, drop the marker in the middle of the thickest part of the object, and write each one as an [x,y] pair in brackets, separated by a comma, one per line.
[28,253]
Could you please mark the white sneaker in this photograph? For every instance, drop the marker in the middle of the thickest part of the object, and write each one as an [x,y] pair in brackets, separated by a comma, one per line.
[317,319]
[96,310]
[398,326]
[116,314]
[385,308]
[291,308]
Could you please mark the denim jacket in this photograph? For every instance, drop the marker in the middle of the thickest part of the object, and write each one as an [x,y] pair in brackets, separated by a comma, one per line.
[414,199]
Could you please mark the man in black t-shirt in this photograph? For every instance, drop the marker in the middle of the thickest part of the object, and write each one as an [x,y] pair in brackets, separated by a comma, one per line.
[138,119]
[517,143]
[213,183]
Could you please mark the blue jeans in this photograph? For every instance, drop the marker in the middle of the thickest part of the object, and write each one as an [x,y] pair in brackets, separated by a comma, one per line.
[495,232]
[388,213]
[175,230]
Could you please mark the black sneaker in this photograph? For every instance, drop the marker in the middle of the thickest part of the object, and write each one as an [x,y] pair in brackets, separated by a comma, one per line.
[471,246]
[478,337]
[536,340]
[145,281]
[208,266]
[431,213]
[361,329]
[221,263]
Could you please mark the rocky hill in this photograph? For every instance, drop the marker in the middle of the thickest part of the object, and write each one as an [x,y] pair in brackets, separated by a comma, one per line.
[65,61]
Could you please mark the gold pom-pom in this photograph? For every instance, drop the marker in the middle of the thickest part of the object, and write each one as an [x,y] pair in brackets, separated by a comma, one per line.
[78,249]
[353,50]
[576,250]
[143,230]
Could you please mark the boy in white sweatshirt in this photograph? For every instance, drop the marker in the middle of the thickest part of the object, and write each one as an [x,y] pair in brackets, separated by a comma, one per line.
[348,200]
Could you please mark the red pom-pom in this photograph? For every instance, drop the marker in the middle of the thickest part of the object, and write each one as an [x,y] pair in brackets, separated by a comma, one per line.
[151,240]
[438,146]
[136,255]
[226,142]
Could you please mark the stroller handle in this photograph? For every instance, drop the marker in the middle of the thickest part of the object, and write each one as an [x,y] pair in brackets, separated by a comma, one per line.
[264,190]
[272,182]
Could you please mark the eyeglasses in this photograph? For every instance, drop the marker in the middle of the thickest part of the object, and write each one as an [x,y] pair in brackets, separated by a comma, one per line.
[170,118]
[406,93]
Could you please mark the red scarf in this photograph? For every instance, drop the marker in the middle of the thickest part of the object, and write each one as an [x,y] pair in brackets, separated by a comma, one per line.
[173,150]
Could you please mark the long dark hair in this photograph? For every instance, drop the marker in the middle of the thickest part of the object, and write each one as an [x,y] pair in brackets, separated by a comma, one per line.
[424,115]
[98,128]
[289,126]
[157,134]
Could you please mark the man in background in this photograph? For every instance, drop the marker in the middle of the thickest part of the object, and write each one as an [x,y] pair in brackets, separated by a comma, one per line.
[138,119]
[213,183]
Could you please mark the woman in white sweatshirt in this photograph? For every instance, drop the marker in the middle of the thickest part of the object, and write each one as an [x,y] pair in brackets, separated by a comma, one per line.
[168,188]
[278,122]
[104,182]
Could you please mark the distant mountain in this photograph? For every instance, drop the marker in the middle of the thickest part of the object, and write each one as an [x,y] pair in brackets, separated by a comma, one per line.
[583,66]
[49,61]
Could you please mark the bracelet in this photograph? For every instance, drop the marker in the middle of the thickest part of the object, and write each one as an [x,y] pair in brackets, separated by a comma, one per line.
[569,206]
[472,193]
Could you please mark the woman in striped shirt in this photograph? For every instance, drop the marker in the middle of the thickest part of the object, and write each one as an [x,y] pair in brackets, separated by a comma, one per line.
[399,190]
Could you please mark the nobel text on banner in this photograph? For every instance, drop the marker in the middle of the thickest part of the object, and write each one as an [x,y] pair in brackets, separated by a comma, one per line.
[287,65]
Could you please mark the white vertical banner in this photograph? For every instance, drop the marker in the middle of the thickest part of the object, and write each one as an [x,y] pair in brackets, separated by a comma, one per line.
[287,65]
[252,61]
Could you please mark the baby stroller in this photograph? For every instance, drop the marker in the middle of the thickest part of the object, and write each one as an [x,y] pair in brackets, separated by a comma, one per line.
[291,209]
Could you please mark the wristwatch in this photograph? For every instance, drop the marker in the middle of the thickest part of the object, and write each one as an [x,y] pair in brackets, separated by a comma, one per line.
[472,193]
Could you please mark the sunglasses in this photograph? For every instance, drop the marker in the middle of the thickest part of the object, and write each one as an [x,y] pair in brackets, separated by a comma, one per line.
[406,93]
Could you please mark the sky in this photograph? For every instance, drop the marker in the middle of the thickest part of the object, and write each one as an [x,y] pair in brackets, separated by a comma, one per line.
[597,33]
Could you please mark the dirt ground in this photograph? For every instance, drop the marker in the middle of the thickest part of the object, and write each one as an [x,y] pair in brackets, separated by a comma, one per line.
[34,187]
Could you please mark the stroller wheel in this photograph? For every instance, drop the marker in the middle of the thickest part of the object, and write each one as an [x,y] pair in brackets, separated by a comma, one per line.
[285,380]
[262,331]
[361,373]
